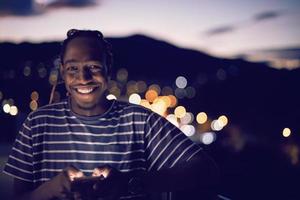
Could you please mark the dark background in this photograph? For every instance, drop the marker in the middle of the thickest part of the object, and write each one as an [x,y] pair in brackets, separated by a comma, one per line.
[255,160]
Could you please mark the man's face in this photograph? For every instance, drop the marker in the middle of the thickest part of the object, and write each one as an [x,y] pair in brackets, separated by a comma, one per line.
[83,71]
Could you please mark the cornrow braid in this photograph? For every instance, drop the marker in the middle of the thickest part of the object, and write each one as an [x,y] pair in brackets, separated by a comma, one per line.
[74,33]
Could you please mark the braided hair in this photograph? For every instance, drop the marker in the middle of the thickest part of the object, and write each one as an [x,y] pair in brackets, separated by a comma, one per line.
[106,46]
[74,33]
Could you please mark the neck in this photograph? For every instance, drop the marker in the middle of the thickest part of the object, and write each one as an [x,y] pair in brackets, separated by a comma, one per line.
[98,109]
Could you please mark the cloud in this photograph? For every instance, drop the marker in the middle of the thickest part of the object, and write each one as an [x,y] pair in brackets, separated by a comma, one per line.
[34,7]
[72,3]
[267,15]
[263,16]
[16,7]
[220,30]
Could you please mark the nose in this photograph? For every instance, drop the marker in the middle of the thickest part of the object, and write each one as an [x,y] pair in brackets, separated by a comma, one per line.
[84,75]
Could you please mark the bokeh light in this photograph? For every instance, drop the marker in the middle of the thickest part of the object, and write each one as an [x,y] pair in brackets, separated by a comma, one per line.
[167,91]
[4,102]
[33,105]
[173,101]
[166,100]
[179,111]
[53,77]
[27,71]
[141,86]
[173,119]
[188,130]
[223,119]
[216,125]
[13,110]
[6,108]
[34,95]
[131,87]
[122,75]
[286,132]
[42,71]
[151,95]
[11,102]
[190,92]
[201,118]
[180,93]
[187,119]
[155,87]
[159,106]
[145,103]
[111,97]
[181,82]
[208,138]
[115,91]
[135,98]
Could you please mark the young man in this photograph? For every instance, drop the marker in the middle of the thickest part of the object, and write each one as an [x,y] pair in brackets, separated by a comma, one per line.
[129,150]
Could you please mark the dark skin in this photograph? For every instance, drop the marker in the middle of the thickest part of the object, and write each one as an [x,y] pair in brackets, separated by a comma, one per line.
[83,71]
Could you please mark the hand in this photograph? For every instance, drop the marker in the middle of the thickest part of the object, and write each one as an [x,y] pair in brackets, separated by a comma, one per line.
[59,186]
[112,183]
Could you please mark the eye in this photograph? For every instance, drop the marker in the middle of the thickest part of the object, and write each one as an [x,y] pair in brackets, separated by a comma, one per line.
[72,69]
[95,68]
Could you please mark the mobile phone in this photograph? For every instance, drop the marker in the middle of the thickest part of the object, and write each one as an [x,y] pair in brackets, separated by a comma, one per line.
[85,184]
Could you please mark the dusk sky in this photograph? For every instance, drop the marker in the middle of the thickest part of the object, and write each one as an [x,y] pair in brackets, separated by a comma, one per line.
[222,28]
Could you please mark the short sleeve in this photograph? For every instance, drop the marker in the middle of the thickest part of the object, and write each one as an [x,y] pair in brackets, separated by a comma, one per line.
[20,162]
[165,144]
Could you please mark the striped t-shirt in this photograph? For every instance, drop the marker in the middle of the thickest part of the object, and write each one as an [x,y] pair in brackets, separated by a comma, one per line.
[127,137]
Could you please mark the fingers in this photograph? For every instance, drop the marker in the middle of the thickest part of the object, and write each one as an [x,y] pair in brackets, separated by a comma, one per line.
[72,173]
[102,171]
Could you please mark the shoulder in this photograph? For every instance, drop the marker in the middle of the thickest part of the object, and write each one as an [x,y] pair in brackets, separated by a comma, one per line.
[50,109]
[124,108]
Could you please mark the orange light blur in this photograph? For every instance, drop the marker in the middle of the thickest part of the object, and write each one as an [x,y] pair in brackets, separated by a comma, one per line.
[173,101]
[151,95]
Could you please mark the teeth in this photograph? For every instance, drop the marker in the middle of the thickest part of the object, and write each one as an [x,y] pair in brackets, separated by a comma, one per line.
[84,91]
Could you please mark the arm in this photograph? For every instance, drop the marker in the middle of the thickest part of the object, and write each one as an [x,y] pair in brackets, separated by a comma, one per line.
[199,172]
[59,186]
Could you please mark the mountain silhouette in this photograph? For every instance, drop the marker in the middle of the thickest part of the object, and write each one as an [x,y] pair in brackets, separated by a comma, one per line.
[256,98]
[261,99]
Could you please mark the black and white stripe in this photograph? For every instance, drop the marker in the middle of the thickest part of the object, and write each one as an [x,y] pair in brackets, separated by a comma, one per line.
[127,137]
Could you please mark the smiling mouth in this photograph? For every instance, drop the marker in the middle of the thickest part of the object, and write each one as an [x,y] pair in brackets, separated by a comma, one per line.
[86,90]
